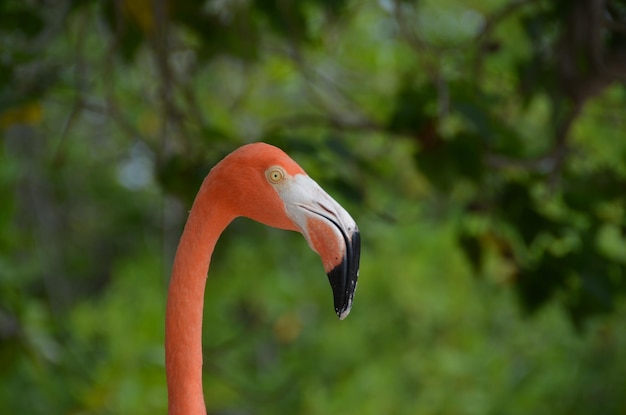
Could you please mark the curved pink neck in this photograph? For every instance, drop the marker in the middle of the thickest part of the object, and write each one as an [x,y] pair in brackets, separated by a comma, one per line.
[185,301]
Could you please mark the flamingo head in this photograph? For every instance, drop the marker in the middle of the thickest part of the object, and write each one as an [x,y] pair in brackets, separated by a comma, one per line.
[266,185]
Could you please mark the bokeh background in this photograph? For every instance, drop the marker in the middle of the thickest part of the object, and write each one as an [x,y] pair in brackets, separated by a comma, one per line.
[480,146]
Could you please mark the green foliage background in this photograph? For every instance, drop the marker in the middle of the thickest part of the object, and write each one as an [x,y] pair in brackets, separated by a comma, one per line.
[480,146]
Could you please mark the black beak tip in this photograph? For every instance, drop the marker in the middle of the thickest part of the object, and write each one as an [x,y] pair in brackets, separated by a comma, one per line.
[343,278]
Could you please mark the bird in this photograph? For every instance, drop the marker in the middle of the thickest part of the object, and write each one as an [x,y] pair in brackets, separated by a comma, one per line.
[261,182]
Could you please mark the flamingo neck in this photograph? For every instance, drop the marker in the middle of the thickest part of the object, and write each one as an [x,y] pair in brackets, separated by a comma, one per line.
[183,319]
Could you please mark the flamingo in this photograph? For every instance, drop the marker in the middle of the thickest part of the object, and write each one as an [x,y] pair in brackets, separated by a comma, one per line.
[261,182]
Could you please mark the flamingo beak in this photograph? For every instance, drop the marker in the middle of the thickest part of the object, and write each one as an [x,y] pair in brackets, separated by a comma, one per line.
[332,233]
[343,277]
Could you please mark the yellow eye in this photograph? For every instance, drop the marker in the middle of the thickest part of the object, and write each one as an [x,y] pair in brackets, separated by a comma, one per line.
[275,175]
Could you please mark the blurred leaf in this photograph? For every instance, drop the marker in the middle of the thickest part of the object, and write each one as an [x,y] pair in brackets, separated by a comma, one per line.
[141,12]
[473,250]
[516,206]
[286,17]
[412,113]
[127,32]
[182,177]
[29,114]
[537,284]
[585,192]
[235,34]
[20,18]
[452,160]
